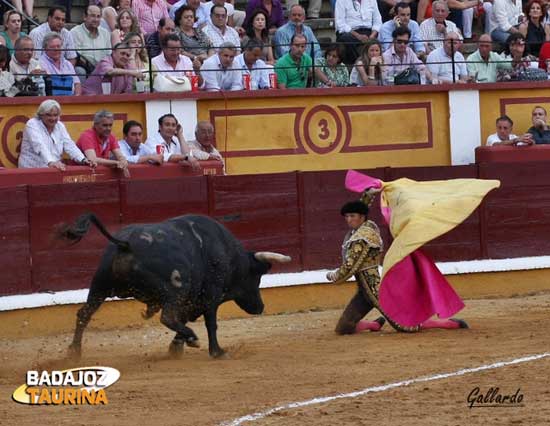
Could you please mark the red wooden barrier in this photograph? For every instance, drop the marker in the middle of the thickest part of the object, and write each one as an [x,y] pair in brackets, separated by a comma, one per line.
[512,154]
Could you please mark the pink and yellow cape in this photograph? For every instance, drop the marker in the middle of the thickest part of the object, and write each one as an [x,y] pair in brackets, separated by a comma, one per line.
[412,288]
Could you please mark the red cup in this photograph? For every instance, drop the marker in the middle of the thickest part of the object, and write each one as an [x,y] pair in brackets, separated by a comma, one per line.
[160,149]
[246,81]
[194,83]
[272,80]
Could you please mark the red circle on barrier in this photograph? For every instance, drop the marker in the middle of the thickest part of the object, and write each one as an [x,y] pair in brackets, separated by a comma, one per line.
[325,131]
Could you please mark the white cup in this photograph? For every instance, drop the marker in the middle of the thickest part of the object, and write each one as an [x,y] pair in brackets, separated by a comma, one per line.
[140,86]
[106,87]
[535,64]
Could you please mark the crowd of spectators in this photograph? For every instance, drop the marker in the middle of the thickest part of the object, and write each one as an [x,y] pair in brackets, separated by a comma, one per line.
[124,46]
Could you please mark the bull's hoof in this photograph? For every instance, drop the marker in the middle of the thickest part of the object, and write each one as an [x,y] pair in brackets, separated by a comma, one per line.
[150,311]
[193,342]
[461,323]
[176,349]
[217,353]
[74,351]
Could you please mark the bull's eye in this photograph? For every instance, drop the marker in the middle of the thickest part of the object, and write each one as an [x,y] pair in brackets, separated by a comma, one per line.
[175,278]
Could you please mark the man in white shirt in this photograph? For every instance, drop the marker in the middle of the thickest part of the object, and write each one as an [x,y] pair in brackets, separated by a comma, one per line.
[433,30]
[56,24]
[219,71]
[440,62]
[250,64]
[171,63]
[505,19]
[22,63]
[217,31]
[356,22]
[504,135]
[132,148]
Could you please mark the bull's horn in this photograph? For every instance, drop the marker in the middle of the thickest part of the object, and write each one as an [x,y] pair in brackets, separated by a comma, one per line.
[268,256]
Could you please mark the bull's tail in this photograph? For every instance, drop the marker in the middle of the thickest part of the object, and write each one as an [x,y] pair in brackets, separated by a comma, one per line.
[80,228]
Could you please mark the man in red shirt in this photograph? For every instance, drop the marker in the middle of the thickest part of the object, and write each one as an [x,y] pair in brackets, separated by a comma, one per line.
[99,144]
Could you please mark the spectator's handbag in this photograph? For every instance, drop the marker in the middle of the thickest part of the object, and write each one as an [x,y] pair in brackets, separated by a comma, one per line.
[27,87]
[165,83]
[532,74]
[83,63]
[408,76]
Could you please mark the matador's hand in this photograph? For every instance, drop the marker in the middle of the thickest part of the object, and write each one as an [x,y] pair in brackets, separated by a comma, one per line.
[331,276]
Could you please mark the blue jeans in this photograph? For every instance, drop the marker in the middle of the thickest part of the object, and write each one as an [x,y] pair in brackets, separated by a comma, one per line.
[500,36]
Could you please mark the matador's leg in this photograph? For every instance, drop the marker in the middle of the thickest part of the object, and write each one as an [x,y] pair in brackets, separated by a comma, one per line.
[350,321]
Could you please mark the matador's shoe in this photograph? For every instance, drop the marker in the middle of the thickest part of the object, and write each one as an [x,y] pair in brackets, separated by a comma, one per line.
[461,323]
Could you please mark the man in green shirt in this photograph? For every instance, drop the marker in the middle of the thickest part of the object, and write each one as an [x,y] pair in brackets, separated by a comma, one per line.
[483,63]
[294,68]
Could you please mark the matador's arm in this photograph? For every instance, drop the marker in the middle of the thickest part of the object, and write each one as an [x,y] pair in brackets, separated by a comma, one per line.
[356,258]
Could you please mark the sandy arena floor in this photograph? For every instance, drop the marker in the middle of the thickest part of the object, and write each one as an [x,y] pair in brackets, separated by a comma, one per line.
[277,360]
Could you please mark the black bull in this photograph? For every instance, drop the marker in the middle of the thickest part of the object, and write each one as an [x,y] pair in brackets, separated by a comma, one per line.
[186,266]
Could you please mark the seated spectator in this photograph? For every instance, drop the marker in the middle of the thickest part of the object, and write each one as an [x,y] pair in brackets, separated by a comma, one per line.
[433,30]
[126,23]
[356,22]
[114,69]
[12,29]
[201,148]
[462,14]
[153,41]
[440,63]
[62,79]
[540,129]
[544,57]
[219,72]
[273,10]
[171,142]
[313,8]
[296,26]
[504,135]
[23,64]
[202,14]
[27,4]
[330,70]
[505,20]
[400,56]
[235,18]
[258,30]
[402,19]
[149,13]
[91,42]
[108,15]
[484,63]
[98,143]
[55,24]
[294,68]
[195,44]
[171,63]
[132,148]
[534,31]
[249,63]
[369,69]
[218,32]
[45,140]
[513,59]
[138,57]
[7,81]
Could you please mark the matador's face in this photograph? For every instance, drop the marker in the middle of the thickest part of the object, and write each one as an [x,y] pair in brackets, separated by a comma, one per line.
[354,220]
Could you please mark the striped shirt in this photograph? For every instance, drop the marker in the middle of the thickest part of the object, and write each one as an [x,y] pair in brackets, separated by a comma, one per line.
[217,38]
[149,15]
[431,37]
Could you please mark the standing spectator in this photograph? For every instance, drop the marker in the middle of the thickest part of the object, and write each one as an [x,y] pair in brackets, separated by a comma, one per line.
[440,63]
[91,41]
[369,69]
[513,60]
[434,30]
[62,79]
[356,22]
[218,32]
[250,64]
[294,68]
[132,148]
[149,13]
[402,19]
[56,24]
[170,140]
[23,64]
[295,26]
[258,30]
[98,143]
[534,31]
[484,63]
[202,13]
[330,70]
[126,23]
[400,56]
[114,69]
[171,63]
[504,136]
[45,140]
[505,19]
[540,129]
[273,10]
[153,41]
[12,29]
[220,72]
[202,147]
[195,44]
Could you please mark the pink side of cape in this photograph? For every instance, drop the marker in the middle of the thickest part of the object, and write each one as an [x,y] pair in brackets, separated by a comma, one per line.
[358,182]
[414,290]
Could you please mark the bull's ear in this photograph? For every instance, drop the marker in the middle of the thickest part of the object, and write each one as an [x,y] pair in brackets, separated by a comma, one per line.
[258,267]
